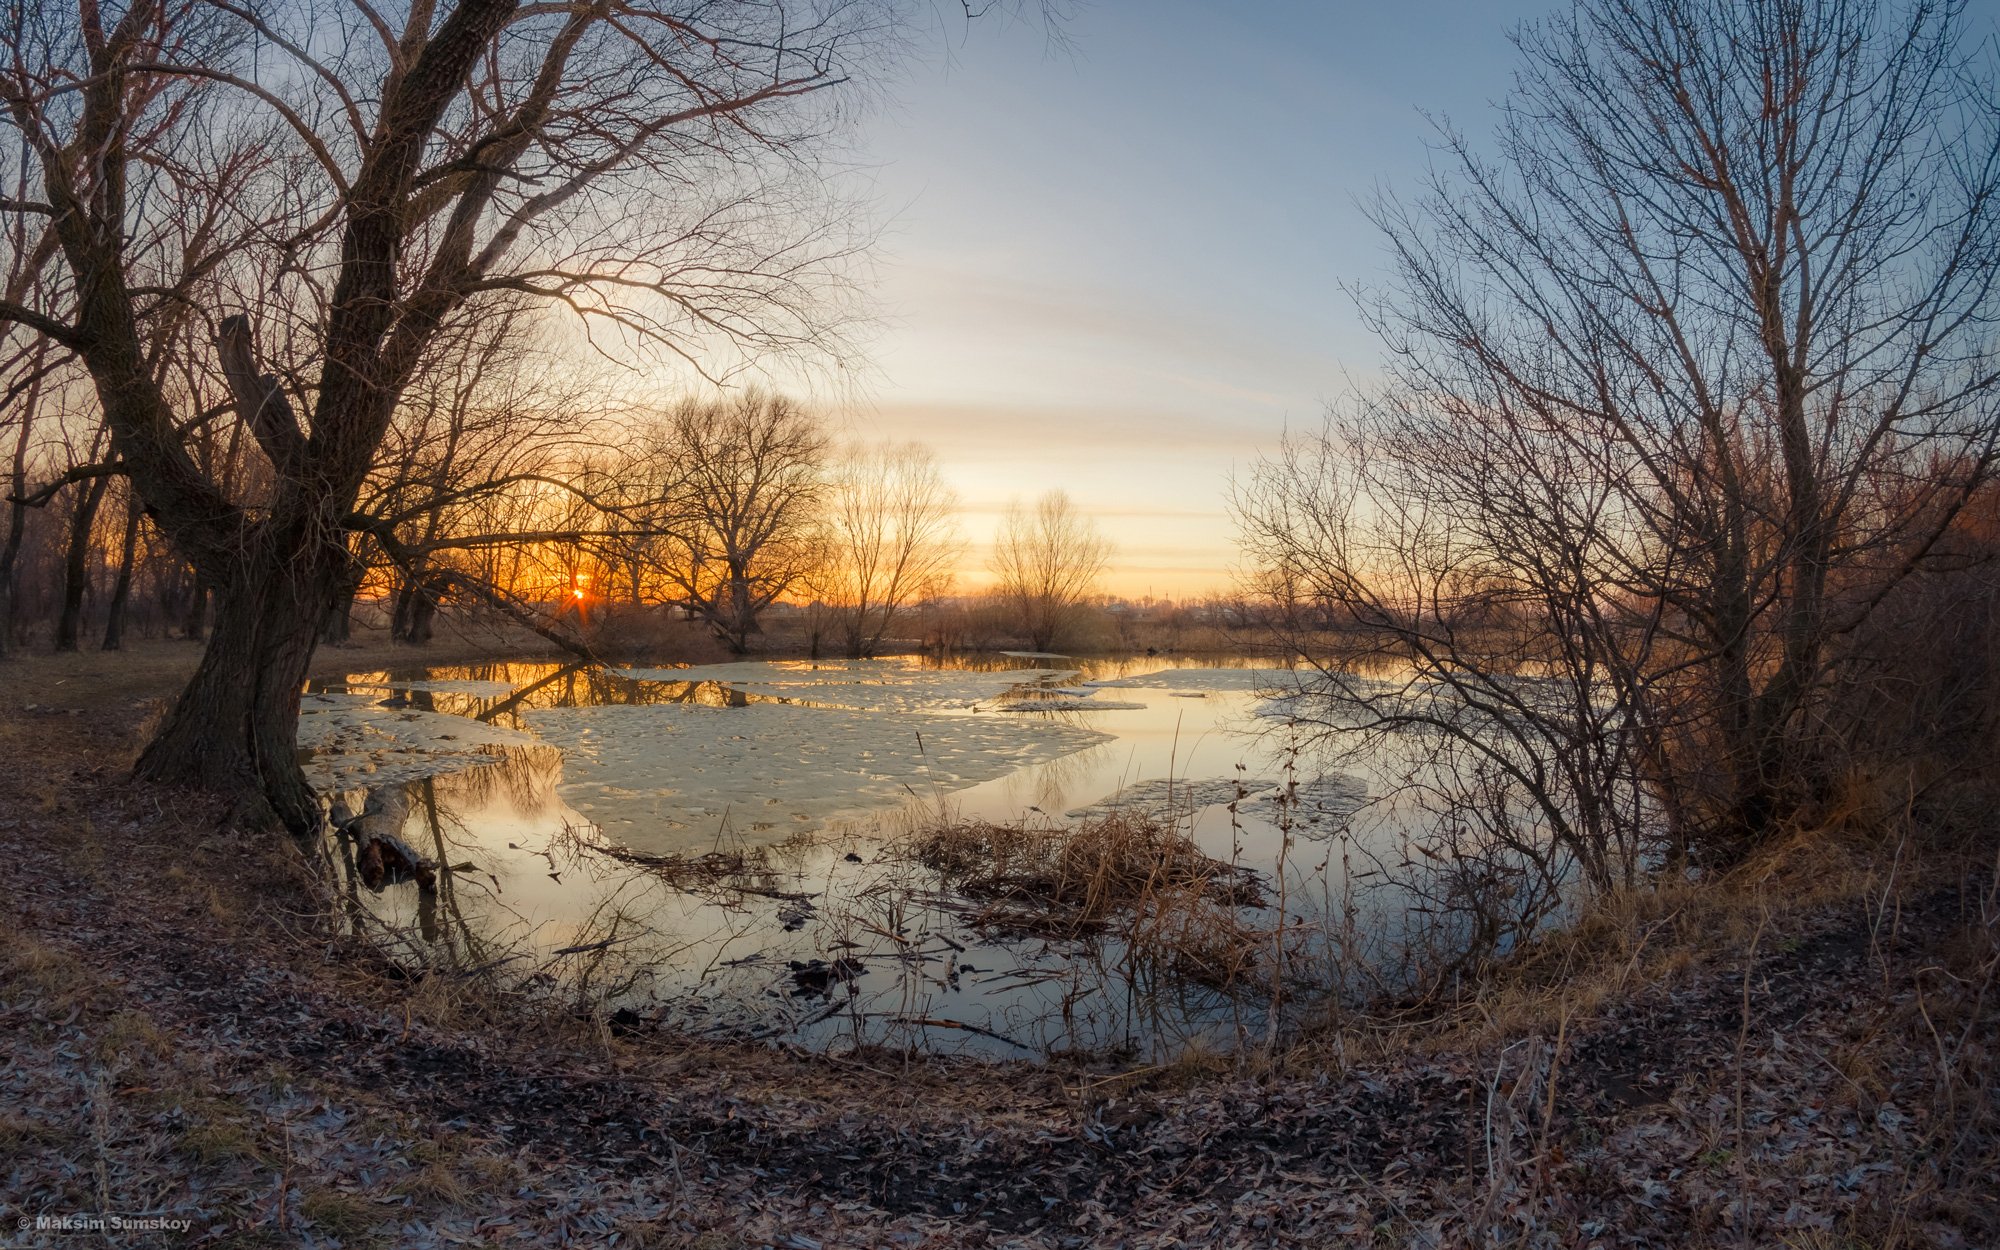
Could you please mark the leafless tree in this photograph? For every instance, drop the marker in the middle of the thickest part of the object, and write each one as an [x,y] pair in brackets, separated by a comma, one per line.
[744,480]
[1047,562]
[373,176]
[489,427]
[891,538]
[27,379]
[121,586]
[1687,378]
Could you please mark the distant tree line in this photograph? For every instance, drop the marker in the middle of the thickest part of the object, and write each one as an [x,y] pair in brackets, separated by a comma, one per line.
[501,489]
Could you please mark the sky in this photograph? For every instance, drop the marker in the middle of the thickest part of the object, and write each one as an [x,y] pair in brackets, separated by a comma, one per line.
[1115,266]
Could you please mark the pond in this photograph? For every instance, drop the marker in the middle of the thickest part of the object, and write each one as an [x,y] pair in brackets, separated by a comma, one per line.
[727,849]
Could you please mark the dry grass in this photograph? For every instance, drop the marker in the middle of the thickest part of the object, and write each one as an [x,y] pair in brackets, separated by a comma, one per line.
[1835,992]
[1167,915]
[33,968]
[1070,881]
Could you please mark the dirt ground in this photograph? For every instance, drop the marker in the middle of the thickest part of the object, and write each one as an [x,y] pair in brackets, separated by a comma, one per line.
[186,1038]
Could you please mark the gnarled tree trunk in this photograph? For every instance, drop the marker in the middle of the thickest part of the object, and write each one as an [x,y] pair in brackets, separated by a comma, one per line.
[234,728]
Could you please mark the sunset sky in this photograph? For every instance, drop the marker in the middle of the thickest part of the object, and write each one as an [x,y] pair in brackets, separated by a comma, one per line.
[1114,267]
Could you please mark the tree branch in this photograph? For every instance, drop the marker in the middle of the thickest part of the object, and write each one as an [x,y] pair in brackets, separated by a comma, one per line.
[61,331]
[81,473]
[405,557]
[259,399]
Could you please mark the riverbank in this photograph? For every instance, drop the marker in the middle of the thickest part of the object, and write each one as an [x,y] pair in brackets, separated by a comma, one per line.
[188,1041]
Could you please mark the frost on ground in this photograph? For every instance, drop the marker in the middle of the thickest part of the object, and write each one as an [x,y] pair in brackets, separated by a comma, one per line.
[778,767]
[357,742]
[1167,799]
[860,685]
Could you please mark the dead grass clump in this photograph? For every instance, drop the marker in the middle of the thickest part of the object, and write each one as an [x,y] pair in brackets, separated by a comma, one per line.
[33,969]
[1071,881]
[1192,937]
[23,1135]
[131,1035]
[433,1183]
[1177,916]
[220,1142]
[343,1215]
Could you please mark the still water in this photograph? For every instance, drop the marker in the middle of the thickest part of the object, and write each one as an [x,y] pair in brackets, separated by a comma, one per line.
[725,848]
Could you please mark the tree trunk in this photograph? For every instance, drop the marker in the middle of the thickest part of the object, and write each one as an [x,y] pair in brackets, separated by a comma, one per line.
[339,624]
[742,615]
[406,595]
[234,729]
[422,623]
[121,594]
[76,564]
[194,626]
[17,520]
[339,627]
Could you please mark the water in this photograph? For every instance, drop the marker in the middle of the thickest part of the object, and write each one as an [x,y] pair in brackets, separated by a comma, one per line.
[726,848]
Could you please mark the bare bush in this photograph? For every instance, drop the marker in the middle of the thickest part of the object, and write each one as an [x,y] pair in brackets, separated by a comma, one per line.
[889,541]
[1047,563]
[1687,382]
[743,481]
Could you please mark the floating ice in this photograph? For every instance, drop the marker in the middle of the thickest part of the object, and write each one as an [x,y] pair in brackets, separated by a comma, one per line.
[664,777]
[1186,681]
[895,685]
[1169,799]
[1068,705]
[356,741]
[1319,805]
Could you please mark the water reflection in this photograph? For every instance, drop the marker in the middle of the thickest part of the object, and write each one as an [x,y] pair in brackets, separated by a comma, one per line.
[635,866]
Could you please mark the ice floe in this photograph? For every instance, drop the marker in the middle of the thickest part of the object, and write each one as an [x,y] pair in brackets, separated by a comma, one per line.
[1186,682]
[356,741]
[1171,799]
[861,685]
[665,776]
[1318,805]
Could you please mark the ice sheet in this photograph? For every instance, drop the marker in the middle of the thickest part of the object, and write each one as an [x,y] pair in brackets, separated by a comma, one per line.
[861,685]
[355,741]
[1208,679]
[663,776]
[1169,799]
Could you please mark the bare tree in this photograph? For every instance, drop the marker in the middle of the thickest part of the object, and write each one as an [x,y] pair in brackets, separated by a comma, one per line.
[121,586]
[1047,563]
[493,422]
[648,166]
[891,538]
[85,498]
[1685,382]
[744,482]
[27,360]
